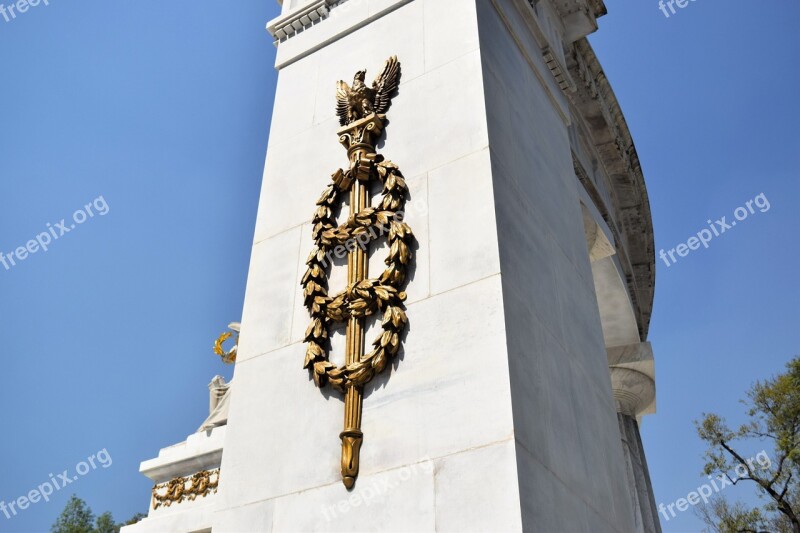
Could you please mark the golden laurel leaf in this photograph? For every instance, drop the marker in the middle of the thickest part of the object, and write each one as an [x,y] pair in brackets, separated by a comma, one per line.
[218,343]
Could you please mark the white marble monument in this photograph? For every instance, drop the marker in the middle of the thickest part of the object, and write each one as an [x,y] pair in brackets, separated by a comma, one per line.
[515,399]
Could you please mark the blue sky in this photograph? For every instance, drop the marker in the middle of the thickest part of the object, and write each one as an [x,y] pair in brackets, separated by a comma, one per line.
[163,109]
[710,97]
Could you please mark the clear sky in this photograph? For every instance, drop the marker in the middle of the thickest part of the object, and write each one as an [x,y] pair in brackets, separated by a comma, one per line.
[157,114]
[710,95]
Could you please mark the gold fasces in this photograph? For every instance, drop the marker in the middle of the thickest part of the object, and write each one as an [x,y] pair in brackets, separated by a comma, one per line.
[360,111]
[351,447]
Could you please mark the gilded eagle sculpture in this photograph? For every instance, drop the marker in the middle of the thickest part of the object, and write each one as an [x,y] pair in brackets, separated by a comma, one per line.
[359,101]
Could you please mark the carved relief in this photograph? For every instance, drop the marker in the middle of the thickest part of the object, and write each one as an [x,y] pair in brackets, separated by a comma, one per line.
[186,488]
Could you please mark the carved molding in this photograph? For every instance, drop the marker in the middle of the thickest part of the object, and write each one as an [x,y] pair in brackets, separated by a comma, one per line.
[558,71]
[186,488]
[609,136]
[286,27]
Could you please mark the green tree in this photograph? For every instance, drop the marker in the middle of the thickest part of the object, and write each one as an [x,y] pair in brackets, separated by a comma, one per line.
[135,518]
[773,408]
[105,524]
[722,516]
[75,518]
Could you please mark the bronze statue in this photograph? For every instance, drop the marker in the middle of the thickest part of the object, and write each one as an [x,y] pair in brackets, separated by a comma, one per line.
[359,101]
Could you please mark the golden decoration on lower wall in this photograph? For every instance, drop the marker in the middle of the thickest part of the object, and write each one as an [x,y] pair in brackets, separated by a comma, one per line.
[360,112]
[186,488]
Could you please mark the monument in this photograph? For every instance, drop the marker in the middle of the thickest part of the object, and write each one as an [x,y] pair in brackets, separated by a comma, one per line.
[504,280]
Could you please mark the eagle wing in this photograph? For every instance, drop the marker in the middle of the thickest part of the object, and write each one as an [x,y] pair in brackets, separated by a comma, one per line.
[342,102]
[385,84]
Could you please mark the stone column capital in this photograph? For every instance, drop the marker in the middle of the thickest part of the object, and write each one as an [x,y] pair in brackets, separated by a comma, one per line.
[632,370]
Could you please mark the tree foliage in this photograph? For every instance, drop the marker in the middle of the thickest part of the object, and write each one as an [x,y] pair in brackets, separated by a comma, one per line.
[722,516]
[773,409]
[105,524]
[135,518]
[77,517]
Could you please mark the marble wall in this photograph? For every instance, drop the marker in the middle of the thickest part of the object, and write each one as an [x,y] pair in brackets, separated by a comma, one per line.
[570,463]
[438,450]
[498,415]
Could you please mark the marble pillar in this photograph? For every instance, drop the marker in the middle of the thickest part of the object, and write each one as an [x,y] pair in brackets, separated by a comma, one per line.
[632,379]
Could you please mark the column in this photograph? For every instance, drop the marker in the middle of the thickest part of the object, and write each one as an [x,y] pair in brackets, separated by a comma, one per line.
[633,383]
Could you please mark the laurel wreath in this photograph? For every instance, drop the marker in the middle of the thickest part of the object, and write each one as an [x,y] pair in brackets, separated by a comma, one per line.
[228,357]
[361,299]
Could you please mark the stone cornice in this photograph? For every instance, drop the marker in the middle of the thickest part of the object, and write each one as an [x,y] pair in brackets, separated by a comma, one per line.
[288,25]
[558,70]
[579,17]
[200,451]
[596,103]
[319,23]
